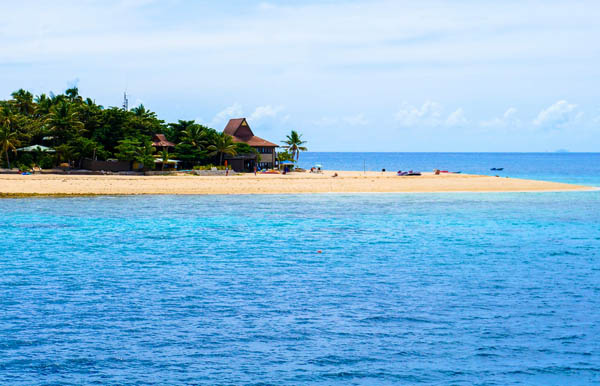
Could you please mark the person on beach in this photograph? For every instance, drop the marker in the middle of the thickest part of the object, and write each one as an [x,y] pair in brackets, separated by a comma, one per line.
[254,169]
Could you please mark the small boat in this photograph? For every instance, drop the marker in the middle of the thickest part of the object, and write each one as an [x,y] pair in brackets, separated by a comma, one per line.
[413,174]
[497,169]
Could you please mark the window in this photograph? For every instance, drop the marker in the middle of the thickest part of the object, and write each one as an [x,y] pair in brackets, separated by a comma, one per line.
[265,150]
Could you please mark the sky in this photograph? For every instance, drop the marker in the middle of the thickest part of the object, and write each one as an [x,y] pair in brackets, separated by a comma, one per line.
[353,75]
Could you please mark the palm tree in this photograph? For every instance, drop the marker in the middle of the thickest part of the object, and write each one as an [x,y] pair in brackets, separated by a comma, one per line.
[8,140]
[177,129]
[164,154]
[294,144]
[145,155]
[142,112]
[223,145]
[43,105]
[194,135]
[64,121]
[23,101]
[73,94]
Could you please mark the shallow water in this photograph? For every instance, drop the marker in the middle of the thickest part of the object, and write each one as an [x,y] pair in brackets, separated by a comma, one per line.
[408,289]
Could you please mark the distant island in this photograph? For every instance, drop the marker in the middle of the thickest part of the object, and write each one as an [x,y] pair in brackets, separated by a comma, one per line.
[71,132]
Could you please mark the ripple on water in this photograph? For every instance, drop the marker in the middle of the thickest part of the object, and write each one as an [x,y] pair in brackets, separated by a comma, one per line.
[434,289]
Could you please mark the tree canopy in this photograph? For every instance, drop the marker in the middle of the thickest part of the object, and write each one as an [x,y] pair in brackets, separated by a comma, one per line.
[78,128]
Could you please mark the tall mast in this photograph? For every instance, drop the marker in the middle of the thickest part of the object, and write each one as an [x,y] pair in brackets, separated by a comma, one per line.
[125,102]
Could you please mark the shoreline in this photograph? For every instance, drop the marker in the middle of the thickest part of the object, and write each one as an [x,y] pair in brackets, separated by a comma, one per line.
[347,182]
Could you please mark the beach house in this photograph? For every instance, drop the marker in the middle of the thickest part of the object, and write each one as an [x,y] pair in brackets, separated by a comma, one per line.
[239,129]
[160,143]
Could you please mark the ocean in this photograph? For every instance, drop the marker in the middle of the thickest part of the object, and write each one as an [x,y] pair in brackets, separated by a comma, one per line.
[576,168]
[445,289]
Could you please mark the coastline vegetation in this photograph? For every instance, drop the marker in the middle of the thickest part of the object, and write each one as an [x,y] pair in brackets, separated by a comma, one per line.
[75,128]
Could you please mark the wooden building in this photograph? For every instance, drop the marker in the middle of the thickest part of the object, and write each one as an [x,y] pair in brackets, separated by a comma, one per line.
[240,131]
[160,143]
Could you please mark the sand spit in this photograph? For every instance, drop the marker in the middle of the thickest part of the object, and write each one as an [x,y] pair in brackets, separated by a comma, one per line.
[292,183]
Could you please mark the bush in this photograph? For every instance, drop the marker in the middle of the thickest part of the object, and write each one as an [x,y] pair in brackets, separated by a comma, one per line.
[46,162]
[26,160]
[23,167]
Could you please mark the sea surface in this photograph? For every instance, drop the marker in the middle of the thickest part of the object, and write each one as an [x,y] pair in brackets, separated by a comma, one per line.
[334,289]
[576,168]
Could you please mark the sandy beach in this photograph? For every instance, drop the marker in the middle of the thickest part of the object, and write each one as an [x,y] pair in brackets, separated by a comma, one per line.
[345,182]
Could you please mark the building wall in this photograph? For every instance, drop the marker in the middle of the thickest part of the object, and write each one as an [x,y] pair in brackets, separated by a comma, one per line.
[109,166]
[267,157]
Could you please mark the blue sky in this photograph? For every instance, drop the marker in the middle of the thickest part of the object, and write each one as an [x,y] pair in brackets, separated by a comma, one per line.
[350,75]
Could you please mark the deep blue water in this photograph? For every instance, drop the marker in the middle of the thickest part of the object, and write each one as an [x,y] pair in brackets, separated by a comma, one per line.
[577,168]
[444,289]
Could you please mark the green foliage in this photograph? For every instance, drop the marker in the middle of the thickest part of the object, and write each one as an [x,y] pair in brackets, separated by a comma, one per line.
[285,156]
[244,148]
[77,128]
[26,159]
[145,155]
[46,162]
[189,155]
[64,153]
[127,149]
[222,145]
[294,144]
[8,141]
[63,121]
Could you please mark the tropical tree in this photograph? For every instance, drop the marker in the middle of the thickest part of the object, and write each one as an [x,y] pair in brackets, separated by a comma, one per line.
[86,148]
[73,94]
[145,155]
[222,145]
[142,112]
[63,121]
[176,130]
[127,149]
[294,144]
[8,141]
[43,105]
[165,158]
[284,156]
[65,152]
[195,136]
[23,101]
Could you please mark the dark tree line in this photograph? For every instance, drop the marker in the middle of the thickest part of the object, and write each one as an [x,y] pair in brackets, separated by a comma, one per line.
[78,128]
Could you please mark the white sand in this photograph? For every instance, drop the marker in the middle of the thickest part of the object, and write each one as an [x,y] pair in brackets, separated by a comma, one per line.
[346,182]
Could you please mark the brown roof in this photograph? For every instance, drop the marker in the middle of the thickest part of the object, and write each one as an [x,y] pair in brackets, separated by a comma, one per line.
[255,141]
[233,125]
[239,129]
[161,141]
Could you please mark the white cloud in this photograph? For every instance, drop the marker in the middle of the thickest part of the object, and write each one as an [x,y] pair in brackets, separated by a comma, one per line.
[560,115]
[508,119]
[430,114]
[223,116]
[427,115]
[457,118]
[262,115]
[262,112]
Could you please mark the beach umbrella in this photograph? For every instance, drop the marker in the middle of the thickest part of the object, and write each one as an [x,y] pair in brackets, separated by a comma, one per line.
[33,148]
[318,166]
[286,163]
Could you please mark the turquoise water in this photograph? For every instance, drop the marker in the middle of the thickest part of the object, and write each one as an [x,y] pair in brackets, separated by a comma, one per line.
[409,289]
[576,168]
